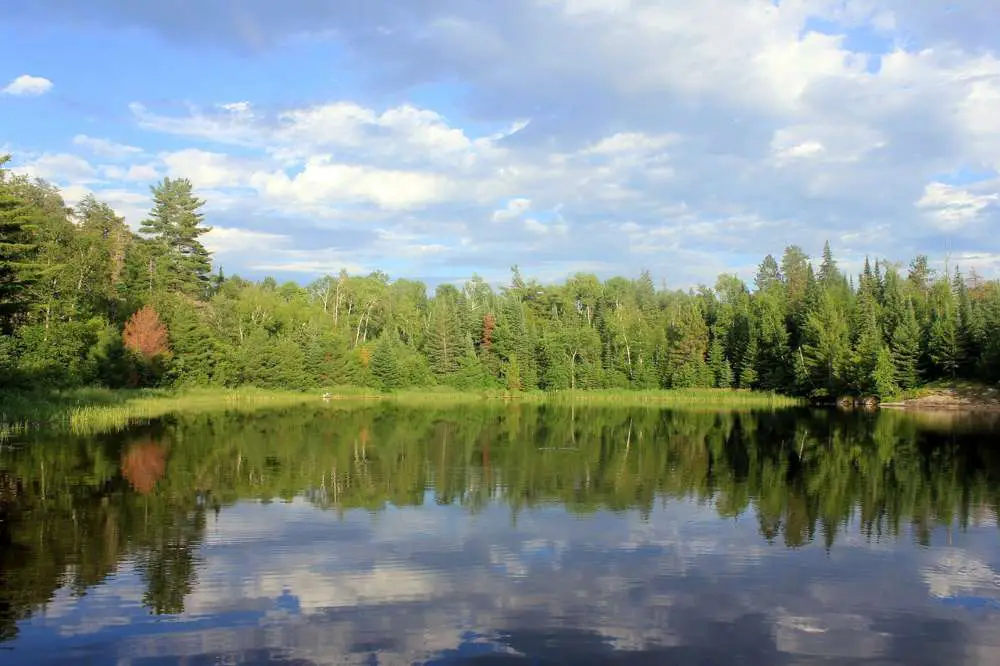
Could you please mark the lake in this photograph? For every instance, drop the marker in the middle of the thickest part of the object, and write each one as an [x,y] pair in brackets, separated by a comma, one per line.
[502,534]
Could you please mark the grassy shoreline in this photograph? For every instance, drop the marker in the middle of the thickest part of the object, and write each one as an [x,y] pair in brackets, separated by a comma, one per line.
[93,410]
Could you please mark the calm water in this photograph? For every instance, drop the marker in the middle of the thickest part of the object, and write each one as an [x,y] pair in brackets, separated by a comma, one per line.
[520,535]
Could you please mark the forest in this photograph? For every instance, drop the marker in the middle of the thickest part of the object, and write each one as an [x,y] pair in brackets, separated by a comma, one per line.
[85,300]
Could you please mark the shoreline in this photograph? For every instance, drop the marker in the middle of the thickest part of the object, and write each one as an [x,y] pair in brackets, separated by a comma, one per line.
[957,398]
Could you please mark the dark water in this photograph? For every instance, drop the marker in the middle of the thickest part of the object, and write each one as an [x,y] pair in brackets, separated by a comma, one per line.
[521,535]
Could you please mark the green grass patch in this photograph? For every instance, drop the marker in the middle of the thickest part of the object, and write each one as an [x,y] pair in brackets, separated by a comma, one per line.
[88,411]
[710,398]
[91,411]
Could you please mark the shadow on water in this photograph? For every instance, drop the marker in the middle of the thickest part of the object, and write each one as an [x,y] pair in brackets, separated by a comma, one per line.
[144,512]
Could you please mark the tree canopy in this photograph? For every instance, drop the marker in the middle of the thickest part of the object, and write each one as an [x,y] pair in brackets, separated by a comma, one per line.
[71,280]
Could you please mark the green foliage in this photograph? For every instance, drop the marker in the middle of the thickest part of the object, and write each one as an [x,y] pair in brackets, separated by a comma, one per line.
[179,262]
[74,278]
[884,374]
[718,365]
[906,349]
[18,269]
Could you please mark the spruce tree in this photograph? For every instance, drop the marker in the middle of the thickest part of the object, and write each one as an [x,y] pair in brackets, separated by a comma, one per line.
[748,371]
[944,345]
[722,372]
[386,364]
[905,349]
[828,272]
[444,340]
[884,374]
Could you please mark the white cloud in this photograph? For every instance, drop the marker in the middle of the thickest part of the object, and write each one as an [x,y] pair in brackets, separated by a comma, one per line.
[233,240]
[60,168]
[323,181]
[711,140]
[514,208]
[134,172]
[27,85]
[206,169]
[105,148]
[953,207]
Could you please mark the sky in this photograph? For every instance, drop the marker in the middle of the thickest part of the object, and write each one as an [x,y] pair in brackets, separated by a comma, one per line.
[434,139]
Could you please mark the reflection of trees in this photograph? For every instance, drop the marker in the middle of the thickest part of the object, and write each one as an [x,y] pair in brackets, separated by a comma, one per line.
[143,464]
[73,509]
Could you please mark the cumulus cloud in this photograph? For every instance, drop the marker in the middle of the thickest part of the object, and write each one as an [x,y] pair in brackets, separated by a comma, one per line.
[603,133]
[105,148]
[27,85]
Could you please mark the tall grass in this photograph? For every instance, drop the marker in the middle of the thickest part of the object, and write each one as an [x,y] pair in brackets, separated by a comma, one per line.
[88,411]
[102,418]
[706,398]
[91,411]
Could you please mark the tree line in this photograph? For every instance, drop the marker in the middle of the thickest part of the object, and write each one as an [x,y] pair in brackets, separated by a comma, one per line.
[85,300]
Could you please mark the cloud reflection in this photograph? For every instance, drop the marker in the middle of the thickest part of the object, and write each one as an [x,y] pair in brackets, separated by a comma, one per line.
[682,586]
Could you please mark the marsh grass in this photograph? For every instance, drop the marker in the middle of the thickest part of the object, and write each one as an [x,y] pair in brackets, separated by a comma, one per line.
[91,411]
[88,411]
[700,398]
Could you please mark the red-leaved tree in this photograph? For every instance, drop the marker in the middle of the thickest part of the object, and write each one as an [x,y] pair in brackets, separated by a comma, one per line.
[145,335]
[489,324]
[147,340]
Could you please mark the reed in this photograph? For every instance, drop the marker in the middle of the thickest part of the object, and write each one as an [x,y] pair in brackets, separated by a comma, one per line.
[91,411]
[88,411]
[702,398]
[102,418]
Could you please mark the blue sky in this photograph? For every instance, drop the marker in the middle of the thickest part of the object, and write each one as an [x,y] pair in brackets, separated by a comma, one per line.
[435,138]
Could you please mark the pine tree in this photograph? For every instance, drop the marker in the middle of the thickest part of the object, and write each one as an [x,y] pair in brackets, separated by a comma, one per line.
[768,274]
[795,274]
[18,270]
[180,262]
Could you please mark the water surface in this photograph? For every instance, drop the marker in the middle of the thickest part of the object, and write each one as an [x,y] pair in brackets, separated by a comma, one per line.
[386,535]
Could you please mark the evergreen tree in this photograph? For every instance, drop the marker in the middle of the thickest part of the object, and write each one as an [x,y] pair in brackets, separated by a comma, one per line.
[971,327]
[944,345]
[18,268]
[827,345]
[748,372]
[444,344]
[828,272]
[722,372]
[884,374]
[906,349]
[768,274]
[386,366]
[795,274]
[179,262]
